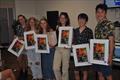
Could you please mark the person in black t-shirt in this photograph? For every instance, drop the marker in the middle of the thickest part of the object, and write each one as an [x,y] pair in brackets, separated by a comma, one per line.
[82,35]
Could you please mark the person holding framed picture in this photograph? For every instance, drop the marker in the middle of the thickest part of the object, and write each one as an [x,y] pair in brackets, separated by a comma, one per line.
[84,34]
[104,30]
[19,27]
[62,54]
[47,58]
[34,59]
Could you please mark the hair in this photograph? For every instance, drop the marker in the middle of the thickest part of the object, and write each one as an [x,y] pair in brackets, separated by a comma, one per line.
[40,28]
[83,16]
[28,27]
[101,6]
[23,17]
[66,16]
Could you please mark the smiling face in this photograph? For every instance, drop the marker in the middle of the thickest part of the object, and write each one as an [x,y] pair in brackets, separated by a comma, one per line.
[32,23]
[100,14]
[63,20]
[43,24]
[81,22]
[21,20]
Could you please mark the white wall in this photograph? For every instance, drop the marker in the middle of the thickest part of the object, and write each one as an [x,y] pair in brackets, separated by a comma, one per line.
[38,8]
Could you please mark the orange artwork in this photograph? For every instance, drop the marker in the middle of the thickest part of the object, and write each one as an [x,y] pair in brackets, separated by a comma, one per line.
[65,33]
[17,46]
[99,50]
[30,39]
[65,37]
[81,54]
[41,41]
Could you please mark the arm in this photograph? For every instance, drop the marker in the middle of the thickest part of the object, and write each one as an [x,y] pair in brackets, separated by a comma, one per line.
[111,42]
[8,74]
[111,49]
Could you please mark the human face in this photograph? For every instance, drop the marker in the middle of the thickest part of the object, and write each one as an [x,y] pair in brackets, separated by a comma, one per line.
[100,15]
[63,20]
[32,23]
[21,20]
[43,24]
[81,22]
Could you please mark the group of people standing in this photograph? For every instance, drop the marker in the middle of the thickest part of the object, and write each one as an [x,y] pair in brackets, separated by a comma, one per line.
[55,65]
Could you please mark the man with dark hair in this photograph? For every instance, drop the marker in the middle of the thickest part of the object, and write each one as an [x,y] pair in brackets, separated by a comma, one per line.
[83,16]
[101,6]
[104,30]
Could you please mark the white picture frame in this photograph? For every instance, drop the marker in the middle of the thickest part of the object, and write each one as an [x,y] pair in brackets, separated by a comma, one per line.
[41,39]
[81,55]
[99,51]
[16,47]
[66,40]
[29,44]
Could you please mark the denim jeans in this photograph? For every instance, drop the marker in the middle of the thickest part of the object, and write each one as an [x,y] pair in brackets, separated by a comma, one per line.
[47,64]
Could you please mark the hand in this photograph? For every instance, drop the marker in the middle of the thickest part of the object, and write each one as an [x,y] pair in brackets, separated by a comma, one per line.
[34,41]
[110,61]
[6,73]
[65,47]
[15,36]
[20,38]
[51,45]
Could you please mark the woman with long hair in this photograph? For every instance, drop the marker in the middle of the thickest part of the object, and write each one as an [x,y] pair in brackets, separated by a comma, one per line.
[62,55]
[34,59]
[47,58]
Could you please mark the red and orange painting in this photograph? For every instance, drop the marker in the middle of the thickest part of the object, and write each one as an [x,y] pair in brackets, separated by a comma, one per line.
[81,54]
[17,46]
[99,51]
[64,36]
[30,40]
[42,43]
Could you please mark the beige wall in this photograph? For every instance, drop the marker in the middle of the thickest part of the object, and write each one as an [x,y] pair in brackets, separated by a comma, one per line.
[38,8]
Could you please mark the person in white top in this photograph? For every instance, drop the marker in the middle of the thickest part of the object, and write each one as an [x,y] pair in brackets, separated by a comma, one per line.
[34,59]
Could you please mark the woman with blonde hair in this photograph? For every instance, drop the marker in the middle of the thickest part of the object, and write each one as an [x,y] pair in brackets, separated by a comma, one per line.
[34,59]
[47,58]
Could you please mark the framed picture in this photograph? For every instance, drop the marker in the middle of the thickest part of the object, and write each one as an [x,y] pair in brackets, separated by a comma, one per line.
[29,39]
[16,47]
[65,37]
[81,55]
[41,43]
[99,51]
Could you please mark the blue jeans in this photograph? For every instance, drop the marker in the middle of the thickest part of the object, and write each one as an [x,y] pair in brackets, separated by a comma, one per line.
[47,64]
